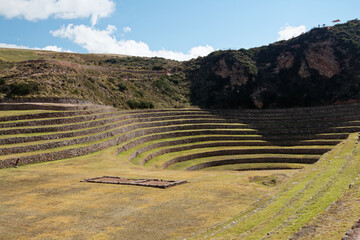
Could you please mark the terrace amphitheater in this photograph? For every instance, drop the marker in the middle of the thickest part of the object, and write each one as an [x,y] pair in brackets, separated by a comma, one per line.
[283,172]
[189,139]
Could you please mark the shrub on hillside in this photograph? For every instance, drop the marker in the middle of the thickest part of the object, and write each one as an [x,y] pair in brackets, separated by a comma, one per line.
[157,68]
[142,104]
[122,86]
[163,84]
[21,89]
[2,81]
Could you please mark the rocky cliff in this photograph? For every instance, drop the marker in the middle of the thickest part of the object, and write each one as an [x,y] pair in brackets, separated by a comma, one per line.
[317,68]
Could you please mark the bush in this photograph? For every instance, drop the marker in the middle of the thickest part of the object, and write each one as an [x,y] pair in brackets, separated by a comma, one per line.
[164,86]
[157,68]
[122,86]
[134,104]
[139,93]
[22,89]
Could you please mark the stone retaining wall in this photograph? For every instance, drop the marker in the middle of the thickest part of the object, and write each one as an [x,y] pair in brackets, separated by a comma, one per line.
[283,127]
[113,116]
[215,144]
[55,114]
[226,152]
[96,123]
[243,151]
[252,160]
[35,106]
[46,100]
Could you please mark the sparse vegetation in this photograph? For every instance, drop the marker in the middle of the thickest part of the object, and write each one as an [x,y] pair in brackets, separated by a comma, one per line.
[122,86]
[162,83]
[20,89]
[140,104]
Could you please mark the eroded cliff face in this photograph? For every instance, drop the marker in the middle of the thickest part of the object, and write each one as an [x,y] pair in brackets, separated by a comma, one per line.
[315,68]
[320,56]
[236,72]
[284,61]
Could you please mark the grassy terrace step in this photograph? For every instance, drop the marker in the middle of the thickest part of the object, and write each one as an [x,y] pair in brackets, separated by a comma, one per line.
[286,117]
[245,159]
[99,120]
[16,114]
[152,141]
[309,193]
[59,114]
[105,121]
[144,129]
[259,159]
[220,141]
[132,117]
[308,118]
[31,115]
[253,158]
[256,167]
[88,116]
[298,110]
[140,122]
[109,138]
[250,147]
[42,145]
[92,116]
[110,132]
[46,106]
[172,157]
[244,152]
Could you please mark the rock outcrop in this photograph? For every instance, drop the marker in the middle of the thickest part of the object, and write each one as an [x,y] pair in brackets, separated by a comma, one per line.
[320,67]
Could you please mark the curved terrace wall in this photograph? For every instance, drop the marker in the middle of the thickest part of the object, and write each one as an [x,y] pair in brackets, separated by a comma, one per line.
[129,129]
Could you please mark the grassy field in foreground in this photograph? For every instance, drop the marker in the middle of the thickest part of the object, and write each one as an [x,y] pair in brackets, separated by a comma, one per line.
[306,200]
[48,201]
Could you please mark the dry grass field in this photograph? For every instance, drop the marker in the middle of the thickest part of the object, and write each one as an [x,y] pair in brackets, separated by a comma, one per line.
[48,201]
[276,193]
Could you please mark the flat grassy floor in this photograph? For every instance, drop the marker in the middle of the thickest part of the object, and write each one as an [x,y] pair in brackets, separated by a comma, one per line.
[48,201]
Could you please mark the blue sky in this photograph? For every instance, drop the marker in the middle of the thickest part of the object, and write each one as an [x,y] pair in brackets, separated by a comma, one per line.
[178,29]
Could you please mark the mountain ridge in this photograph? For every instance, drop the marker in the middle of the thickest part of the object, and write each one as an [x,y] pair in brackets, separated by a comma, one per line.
[320,67]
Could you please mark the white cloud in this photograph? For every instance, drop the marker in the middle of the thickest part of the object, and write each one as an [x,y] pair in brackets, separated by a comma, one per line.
[126,29]
[47,48]
[33,10]
[288,32]
[103,41]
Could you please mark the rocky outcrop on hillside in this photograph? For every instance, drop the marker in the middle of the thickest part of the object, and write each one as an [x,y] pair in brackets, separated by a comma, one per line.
[317,68]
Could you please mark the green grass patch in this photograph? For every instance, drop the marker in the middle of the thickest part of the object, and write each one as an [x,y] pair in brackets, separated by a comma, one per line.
[256,166]
[17,55]
[187,164]
[305,196]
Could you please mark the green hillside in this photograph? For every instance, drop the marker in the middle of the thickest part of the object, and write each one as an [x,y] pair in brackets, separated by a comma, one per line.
[120,81]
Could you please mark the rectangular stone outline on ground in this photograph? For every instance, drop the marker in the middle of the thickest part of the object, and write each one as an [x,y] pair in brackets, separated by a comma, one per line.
[146,182]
